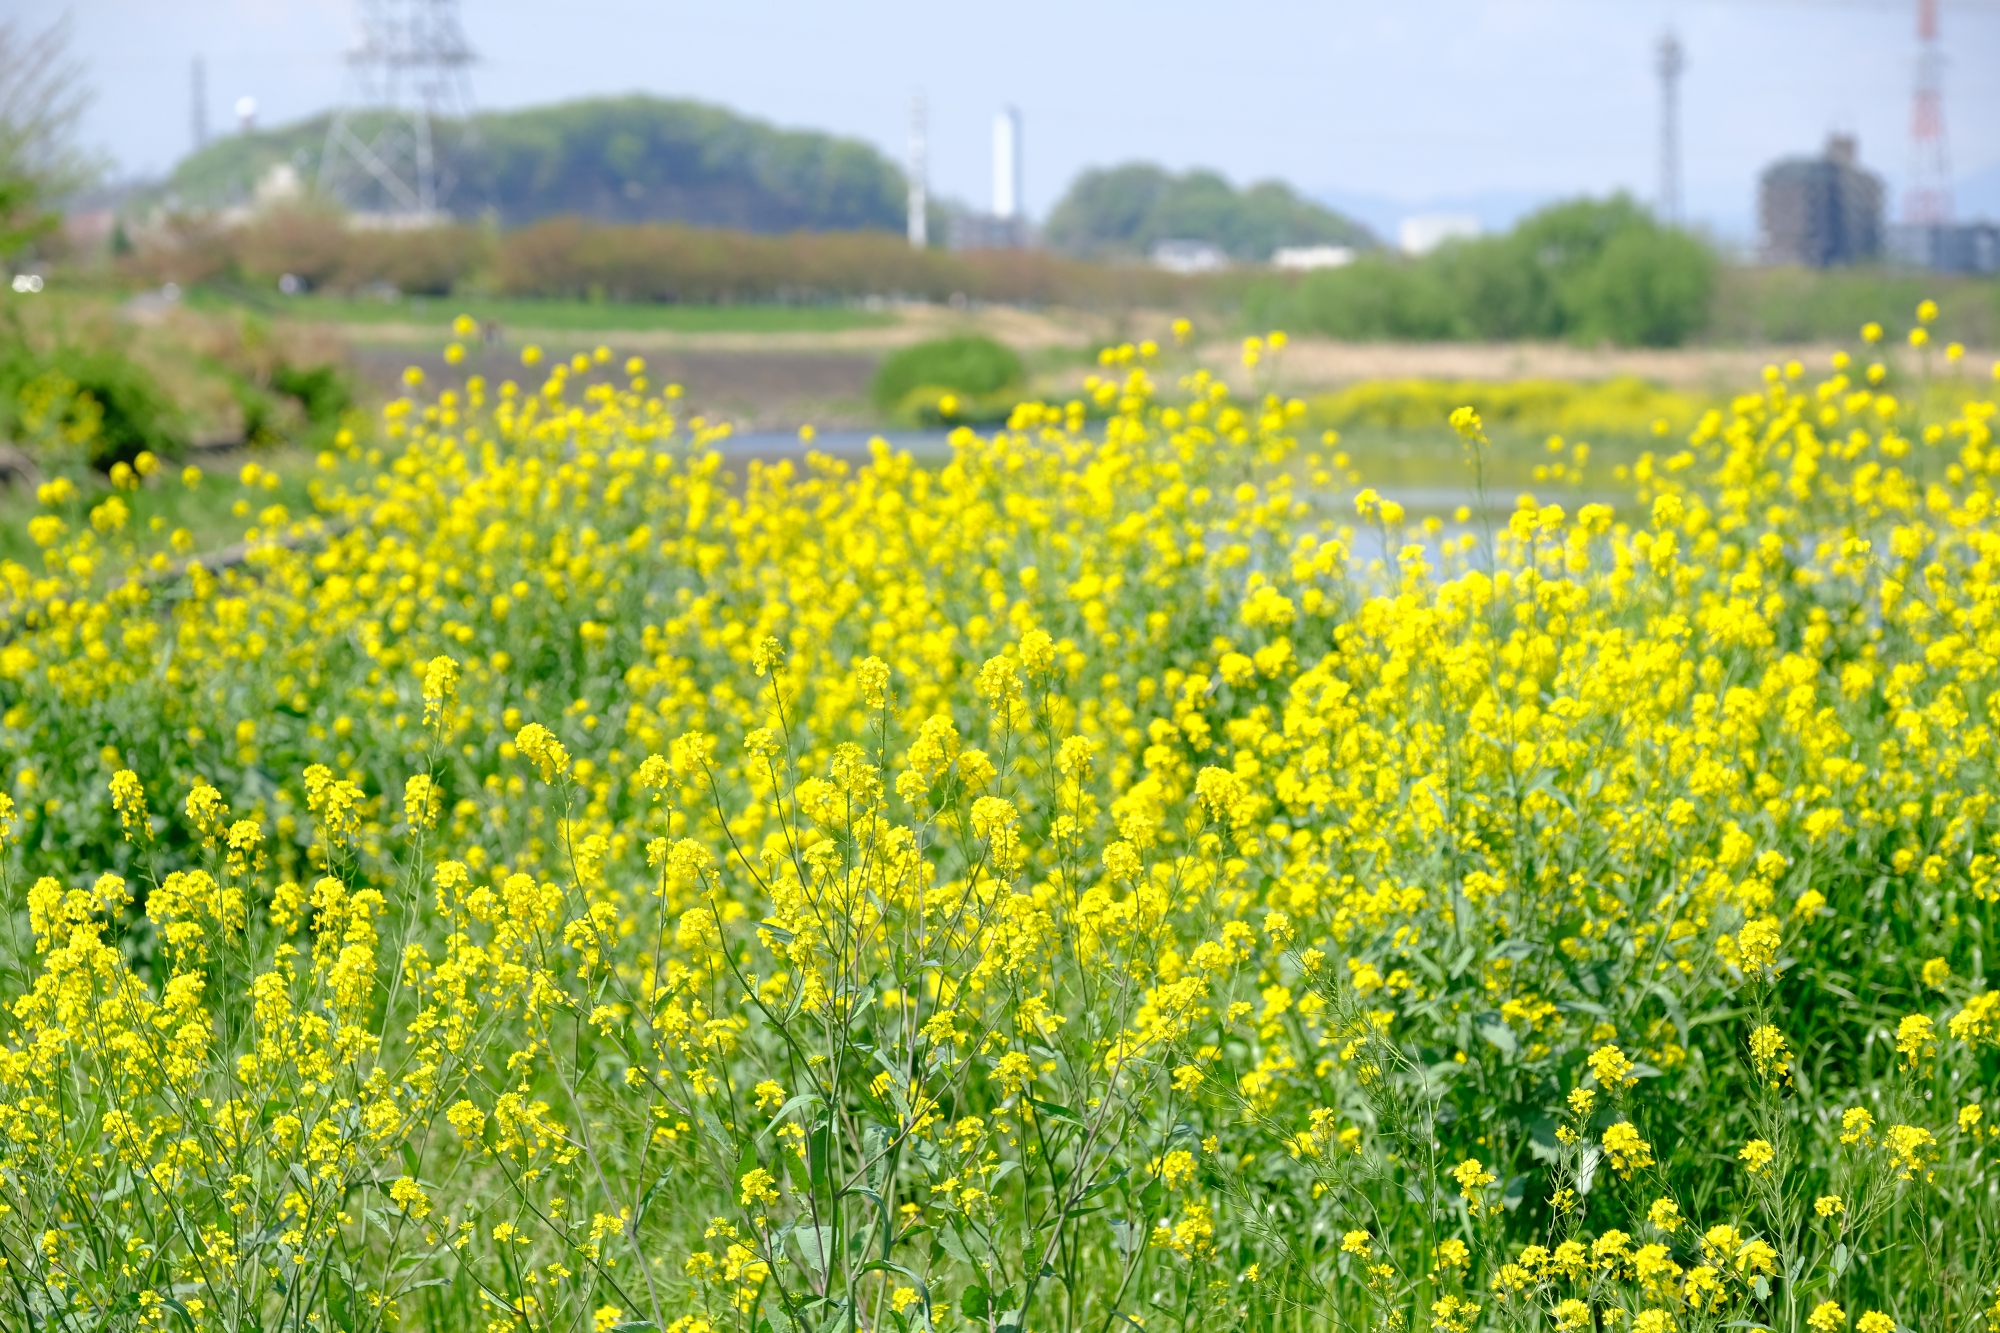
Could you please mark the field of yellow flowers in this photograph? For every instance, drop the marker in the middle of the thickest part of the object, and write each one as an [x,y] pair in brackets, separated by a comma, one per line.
[565,881]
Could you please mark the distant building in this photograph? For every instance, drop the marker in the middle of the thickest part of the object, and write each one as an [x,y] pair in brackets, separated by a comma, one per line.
[279,185]
[1820,212]
[1312,256]
[1181,256]
[1945,247]
[1425,232]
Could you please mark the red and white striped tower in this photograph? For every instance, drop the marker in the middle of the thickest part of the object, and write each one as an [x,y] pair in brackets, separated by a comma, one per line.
[1928,198]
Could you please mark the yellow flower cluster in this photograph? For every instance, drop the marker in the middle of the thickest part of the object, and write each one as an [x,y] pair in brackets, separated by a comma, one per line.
[1073,883]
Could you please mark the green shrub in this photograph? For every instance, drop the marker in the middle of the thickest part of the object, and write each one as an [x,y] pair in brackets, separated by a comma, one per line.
[1648,288]
[1590,271]
[968,364]
[138,415]
[97,400]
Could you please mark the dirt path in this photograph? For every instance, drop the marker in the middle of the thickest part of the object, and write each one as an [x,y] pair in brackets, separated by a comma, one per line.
[1319,363]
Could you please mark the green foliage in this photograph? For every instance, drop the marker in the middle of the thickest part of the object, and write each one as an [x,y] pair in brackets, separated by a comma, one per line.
[625,159]
[1377,297]
[1129,209]
[516,316]
[633,159]
[1780,305]
[1621,406]
[22,217]
[967,364]
[293,403]
[573,258]
[322,391]
[42,97]
[1648,287]
[1590,271]
[85,405]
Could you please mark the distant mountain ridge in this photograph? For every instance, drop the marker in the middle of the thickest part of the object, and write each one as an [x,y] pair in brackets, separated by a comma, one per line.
[618,159]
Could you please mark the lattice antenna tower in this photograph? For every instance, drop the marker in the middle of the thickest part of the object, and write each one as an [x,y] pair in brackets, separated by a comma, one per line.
[1669,62]
[1928,200]
[409,76]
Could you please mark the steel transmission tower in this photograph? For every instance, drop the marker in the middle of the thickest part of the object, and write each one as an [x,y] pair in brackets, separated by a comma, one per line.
[1929,197]
[408,75]
[1669,61]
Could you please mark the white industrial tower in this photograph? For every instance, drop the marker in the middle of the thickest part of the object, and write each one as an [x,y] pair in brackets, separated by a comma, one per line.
[919,202]
[1007,164]
[409,73]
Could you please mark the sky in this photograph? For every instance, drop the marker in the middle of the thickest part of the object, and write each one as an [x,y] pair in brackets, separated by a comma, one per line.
[1486,105]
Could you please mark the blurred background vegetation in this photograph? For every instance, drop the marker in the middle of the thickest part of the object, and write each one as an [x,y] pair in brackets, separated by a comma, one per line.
[1123,212]
[230,307]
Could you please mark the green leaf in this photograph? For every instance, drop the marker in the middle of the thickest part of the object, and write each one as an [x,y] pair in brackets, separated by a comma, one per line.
[815,1246]
[1055,1112]
[1502,1036]
[955,1246]
[973,1303]
[798,1100]
[646,1199]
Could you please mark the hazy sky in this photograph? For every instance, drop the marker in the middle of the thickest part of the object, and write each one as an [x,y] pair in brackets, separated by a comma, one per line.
[1415,100]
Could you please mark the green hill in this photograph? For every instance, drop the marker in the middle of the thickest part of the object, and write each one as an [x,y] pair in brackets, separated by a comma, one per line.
[1128,210]
[619,159]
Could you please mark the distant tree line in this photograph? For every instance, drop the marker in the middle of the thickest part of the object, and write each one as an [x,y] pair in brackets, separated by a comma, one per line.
[1585,271]
[1591,271]
[1126,211]
[618,159]
[578,258]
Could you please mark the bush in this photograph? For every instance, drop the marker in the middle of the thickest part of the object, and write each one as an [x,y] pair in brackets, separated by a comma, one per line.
[1374,298]
[96,403]
[1590,271]
[1647,288]
[968,364]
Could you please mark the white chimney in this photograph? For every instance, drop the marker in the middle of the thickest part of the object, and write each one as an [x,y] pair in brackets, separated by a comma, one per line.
[1007,164]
